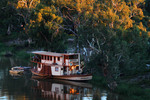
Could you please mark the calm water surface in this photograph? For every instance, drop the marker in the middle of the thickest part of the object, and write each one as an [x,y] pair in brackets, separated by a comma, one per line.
[28,87]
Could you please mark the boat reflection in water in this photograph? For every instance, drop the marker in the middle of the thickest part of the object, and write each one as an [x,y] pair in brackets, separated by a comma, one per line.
[62,90]
[15,75]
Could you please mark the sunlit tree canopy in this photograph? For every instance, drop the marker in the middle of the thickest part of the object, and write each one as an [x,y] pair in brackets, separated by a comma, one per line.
[27,3]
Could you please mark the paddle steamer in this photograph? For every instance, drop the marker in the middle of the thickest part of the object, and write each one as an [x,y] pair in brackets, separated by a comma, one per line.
[58,66]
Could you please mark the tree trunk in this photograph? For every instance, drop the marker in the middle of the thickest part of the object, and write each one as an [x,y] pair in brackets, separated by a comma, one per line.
[9,30]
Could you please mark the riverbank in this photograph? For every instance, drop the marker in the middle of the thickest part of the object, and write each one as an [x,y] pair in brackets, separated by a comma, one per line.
[16,51]
[132,90]
[15,44]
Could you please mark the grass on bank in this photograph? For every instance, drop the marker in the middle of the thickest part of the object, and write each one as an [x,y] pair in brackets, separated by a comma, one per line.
[135,92]
[22,54]
[132,91]
[14,50]
[5,49]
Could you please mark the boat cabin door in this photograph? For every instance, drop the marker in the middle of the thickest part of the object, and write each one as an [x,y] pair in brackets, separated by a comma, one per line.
[48,70]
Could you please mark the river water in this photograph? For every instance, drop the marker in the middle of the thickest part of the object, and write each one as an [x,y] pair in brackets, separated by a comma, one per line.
[28,87]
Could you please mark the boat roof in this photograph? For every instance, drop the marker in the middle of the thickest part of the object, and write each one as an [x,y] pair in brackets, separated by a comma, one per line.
[52,53]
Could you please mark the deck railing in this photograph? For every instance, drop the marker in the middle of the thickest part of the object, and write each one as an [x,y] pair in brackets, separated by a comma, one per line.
[73,60]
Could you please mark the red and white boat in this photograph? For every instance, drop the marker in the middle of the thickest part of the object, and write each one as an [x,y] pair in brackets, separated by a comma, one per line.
[58,66]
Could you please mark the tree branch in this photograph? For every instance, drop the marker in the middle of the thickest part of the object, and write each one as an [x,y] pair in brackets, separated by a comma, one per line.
[45,37]
[23,2]
[98,45]
[30,4]
[23,17]
[93,47]
[61,27]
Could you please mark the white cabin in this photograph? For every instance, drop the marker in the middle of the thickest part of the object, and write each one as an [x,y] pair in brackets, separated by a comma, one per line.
[57,63]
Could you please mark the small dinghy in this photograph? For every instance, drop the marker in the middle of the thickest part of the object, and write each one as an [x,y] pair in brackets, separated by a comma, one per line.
[16,70]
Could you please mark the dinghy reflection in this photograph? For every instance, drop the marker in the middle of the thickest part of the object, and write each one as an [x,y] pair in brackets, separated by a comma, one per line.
[15,75]
[62,90]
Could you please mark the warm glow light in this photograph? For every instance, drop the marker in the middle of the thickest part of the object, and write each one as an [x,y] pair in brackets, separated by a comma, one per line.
[72,91]
[72,67]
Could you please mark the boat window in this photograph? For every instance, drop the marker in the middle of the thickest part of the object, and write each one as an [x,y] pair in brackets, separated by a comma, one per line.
[77,67]
[73,57]
[56,69]
[47,57]
[51,58]
[66,57]
[54,59]
[42,56]
[15,68]
[58,58]
[39,66]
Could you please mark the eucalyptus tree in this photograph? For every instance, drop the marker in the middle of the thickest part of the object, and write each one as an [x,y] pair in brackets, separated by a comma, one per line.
[118,41]
[45,28]
[24,8]
[8,20]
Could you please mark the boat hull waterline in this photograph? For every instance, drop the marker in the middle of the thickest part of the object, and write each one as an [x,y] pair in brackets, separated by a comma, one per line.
[65,77]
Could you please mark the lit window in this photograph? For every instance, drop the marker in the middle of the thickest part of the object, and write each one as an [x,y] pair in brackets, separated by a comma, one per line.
[56,69]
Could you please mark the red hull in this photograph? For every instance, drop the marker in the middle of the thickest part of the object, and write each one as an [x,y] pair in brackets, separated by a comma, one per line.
[39,74]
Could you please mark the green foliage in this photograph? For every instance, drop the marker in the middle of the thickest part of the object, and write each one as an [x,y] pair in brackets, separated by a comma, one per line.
[129,90]
[45,39]
[44,28]
[7,16]
[3,49]
[99,81]
[116,52]
[22,55]
[133,91]
[147,5]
